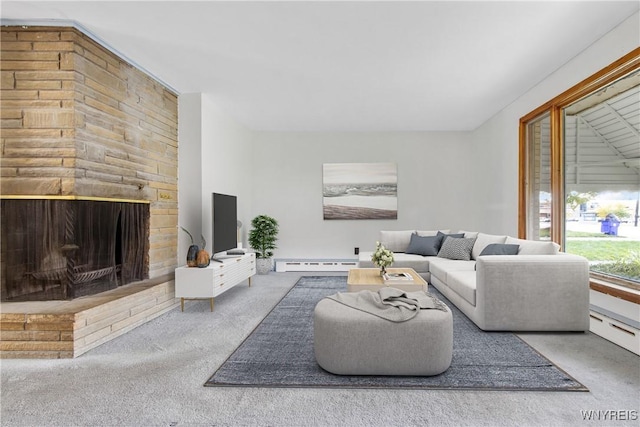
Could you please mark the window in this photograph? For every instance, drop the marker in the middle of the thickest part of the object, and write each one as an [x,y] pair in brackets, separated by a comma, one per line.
[539,177]
[580,172]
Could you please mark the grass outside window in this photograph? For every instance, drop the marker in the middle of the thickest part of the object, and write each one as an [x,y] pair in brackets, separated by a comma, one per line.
[616,257]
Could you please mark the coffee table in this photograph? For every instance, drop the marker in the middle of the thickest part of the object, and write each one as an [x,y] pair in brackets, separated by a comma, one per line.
[360,279]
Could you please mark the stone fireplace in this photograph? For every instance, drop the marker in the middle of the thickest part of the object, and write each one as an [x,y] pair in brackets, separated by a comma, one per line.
[89,167]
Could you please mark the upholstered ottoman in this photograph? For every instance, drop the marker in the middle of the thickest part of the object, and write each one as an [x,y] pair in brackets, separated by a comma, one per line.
[348,341]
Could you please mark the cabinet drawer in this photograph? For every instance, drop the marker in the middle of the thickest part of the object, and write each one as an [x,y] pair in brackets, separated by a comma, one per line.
[215,279]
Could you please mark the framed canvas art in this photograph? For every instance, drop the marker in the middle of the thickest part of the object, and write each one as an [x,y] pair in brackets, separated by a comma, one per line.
[360,190]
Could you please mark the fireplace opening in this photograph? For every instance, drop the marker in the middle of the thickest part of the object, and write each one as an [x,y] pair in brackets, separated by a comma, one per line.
[63,249]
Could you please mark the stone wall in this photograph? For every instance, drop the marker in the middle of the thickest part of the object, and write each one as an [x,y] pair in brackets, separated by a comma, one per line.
[78,121]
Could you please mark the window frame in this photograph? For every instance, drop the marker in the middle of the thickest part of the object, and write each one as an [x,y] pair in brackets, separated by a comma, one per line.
[554,107]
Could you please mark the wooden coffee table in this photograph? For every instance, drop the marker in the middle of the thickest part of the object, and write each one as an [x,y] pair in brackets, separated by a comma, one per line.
[361,279]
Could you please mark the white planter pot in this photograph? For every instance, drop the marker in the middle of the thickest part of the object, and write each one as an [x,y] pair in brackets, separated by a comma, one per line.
[264,265]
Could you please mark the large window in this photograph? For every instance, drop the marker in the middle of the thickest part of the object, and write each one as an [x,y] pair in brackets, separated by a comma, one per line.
[538,177]
[580,172]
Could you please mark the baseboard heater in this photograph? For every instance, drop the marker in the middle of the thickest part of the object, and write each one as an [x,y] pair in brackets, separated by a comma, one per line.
[618,329]
[315,265]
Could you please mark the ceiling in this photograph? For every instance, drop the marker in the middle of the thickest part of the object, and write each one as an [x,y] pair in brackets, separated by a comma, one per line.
[343,66]
[602,141]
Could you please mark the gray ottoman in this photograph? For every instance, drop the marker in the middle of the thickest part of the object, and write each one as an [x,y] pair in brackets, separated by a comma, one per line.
[348,341]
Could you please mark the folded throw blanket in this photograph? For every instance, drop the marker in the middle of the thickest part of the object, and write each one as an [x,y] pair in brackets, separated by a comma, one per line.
[390,303]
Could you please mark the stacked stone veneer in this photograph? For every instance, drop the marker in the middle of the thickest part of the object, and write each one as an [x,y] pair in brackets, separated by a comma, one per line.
[78,121]
[71,328]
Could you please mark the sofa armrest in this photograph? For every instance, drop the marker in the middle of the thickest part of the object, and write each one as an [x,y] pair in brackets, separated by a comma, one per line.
[364,260]
[533,292]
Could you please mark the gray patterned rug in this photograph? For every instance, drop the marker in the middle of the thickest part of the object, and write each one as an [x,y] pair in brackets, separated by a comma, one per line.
[279,353]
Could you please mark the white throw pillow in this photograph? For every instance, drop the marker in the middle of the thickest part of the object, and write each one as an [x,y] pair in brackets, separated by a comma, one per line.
[483,240]
[534,247]
[469,234]
[396,241]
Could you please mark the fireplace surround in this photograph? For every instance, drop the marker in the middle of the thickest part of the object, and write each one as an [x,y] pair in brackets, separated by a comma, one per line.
[81,126]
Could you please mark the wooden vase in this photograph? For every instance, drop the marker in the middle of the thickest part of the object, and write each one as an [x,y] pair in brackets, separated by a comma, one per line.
[203,259]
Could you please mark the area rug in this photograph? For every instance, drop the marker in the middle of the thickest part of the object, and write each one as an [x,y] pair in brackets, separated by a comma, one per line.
[279,353]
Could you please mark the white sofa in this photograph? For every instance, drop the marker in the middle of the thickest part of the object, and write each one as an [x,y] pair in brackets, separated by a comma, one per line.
[538,289]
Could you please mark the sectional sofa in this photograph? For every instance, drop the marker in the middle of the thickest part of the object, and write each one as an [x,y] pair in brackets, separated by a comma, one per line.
[499,282]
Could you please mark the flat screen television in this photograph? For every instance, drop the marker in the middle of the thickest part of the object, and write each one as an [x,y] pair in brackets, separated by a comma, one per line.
[225,222]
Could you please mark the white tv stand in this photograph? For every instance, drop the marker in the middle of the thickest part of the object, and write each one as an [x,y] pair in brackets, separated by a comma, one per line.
[218,277]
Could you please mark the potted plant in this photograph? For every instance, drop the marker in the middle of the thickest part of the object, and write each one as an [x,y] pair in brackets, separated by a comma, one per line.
[382,257]
[262,238]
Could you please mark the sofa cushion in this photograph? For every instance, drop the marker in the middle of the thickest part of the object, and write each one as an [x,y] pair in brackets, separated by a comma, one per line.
[440,267]
[396,241]
[500,249]
[534,247]
[463,282]
[418,262]
[483,240]
[469,234]
[364,260]
[456,248]
[445,235]
[424,245]
[400,260]
[430,232]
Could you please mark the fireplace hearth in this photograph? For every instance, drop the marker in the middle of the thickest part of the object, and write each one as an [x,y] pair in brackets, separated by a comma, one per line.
[63,249]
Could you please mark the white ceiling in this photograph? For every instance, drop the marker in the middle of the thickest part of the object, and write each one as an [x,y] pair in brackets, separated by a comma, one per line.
[344,66]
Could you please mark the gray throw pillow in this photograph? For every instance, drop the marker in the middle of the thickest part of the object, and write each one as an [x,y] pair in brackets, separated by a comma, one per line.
[456,248]
[424,245]
[445,235]
[500,249]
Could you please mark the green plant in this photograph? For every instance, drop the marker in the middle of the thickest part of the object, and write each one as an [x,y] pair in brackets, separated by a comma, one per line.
[382,257]
[627,267]
[617,209]
[263,235]
[575,199]
[601,249]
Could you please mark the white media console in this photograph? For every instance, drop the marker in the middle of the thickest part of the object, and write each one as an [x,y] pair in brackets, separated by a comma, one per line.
[211,281]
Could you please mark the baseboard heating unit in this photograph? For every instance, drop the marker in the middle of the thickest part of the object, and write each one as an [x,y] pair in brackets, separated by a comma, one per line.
[314,265]
[615,319]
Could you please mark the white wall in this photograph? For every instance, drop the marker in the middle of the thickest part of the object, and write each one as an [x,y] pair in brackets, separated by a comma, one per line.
[496,141]
[189,171]
[226,165]
[433,187]
[445,179]
[214,155]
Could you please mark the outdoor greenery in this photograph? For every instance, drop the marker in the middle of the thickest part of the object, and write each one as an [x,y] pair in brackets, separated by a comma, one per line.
[570,234]
[545,233]
[617,257]
[575,199]
[628,267]
[614,255]
[617,209]
[602,250]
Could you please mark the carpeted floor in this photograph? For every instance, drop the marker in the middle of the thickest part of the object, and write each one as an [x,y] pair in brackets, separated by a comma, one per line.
[279,353]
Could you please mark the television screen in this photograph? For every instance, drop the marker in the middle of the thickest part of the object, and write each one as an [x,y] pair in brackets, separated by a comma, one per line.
[225,220]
